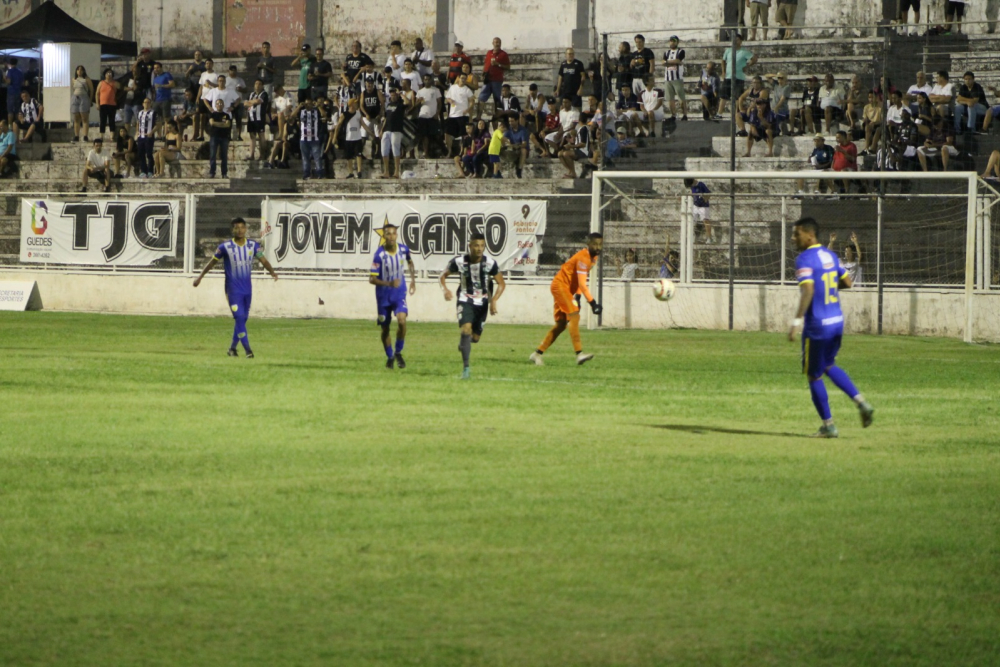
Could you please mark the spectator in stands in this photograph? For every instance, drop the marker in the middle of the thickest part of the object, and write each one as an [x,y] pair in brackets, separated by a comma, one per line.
[992,172]
[194,71]
[894,114]
[372,103]
[236,85]
[496,65]
[220,126]
[107,100]
[222,91]
[912,93]
[623,67]
[496,145]
[785,16]
[569,81]
[281,107]
[8,148]
[942,94]
[906,138]
[671,261]
[845,158]
[422,58]
[993,110]
[395,60]
[576,146]
[142,72]
[459,98]
[940,142]
[831,101]
[734,72]
[781,92]
[954,10]
[429,101]
[852,256]
[971,101]
[643,63]
[185,117]
[855,99]
[356,62]
[97,165]
[393,124]
[458,58]
[509,107]
[628,110]
[258,109]
[568,120]
[673,77]
[304,62]
[595,72]
[81,97]
[472,151]
[125,150]
[14,78]
[762,125]
[266,69]
[904,15]
[162,87]
[700,206]
[350,126]
[550,126]
[747,103]
[410,74]
[30,118]
[169,152]
[759,10]
[709,85]
[627,270]
[319,76]
[651,109]
[871,122]
[821,159]
[516,140]
[535,109]
[310,117]
[207,82]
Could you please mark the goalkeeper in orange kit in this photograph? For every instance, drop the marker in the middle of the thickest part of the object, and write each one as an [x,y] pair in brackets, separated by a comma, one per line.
[570,281]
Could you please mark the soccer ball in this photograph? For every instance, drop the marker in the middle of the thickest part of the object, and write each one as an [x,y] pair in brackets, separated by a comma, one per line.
[664,289]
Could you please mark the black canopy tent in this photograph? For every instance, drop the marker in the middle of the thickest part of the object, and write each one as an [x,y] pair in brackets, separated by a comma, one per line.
[48,23]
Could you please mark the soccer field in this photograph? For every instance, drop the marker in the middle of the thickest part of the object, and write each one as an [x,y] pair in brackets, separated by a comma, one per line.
[163,504]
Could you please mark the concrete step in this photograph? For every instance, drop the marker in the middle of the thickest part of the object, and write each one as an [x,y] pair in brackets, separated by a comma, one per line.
[182,169]
[506,186]
[797,147]
[130,186]
[755,164]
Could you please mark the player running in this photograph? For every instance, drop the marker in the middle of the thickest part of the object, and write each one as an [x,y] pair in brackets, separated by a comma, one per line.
[819,310]
[570,281]
[390,291]
[476,299]
[237,257]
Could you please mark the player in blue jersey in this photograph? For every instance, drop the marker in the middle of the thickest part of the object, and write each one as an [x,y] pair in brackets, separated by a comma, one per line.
[821,276]
[390,291]
[238,255]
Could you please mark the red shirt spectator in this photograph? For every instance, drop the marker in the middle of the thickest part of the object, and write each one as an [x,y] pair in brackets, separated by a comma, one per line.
[457,59]
[497,61]
[845,154]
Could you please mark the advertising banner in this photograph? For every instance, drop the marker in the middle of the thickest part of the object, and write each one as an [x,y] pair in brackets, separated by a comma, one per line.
[103,233]
[346,234]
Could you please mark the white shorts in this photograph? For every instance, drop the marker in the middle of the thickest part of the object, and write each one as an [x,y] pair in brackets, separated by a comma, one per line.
[629,114]
[375,133]
[658,115]
[554,137]
[699,213]
[392,144]
[952,151]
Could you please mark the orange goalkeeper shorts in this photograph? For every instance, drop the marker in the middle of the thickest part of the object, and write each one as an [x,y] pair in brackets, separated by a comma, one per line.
[565,305]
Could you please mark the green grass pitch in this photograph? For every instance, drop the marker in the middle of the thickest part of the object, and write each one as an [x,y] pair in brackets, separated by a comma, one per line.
[163,504]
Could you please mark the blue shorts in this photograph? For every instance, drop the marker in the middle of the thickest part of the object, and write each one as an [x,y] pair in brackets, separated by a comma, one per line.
[13,104]
[494,159]
[239,304]
[491,89]
[386,309]
[818,354]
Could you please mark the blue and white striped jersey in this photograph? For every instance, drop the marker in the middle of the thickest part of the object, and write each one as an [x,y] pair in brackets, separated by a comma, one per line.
[238,261]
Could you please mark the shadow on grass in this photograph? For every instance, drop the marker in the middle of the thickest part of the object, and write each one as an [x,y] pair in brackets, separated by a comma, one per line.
[695,428]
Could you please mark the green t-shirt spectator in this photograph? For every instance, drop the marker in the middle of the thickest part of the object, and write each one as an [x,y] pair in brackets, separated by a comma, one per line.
[743,56]
[304,66]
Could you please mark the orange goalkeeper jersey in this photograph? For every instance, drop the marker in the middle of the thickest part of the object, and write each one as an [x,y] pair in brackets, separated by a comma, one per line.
[573,274]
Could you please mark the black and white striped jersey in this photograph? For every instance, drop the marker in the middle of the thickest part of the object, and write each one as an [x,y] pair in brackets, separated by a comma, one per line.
[144,124]
[258,112]
[476,284]
[29,110]
[309,121]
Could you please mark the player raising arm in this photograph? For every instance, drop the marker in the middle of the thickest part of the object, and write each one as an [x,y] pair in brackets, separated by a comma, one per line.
[476,299]
[237,256]
[821,276]
[571,280]
[390,291]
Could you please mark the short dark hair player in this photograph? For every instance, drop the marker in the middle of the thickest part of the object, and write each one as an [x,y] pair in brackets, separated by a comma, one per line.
[390,291]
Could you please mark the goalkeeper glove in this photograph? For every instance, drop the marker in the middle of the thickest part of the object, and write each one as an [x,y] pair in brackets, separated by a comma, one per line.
[577,297]
[596,307]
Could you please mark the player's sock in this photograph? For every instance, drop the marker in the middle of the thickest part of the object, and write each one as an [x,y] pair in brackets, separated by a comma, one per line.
[236,335]
[820,398]
[388,351]
[240,333]
[843,382]
[465,346]
[399,345]
[574,334]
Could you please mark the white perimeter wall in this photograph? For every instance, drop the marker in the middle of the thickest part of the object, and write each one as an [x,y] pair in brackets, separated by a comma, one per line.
[377,22]
[757,308]
[185,24]
[526,24]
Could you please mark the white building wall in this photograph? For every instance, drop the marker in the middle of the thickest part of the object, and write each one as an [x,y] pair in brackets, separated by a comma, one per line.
[186,24]
[757,308]
[376,23]
[527,25]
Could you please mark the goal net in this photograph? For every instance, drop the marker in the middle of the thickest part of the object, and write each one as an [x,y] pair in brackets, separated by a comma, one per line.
[923,248]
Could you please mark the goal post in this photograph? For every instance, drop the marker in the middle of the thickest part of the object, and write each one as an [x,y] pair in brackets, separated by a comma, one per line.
[927,244]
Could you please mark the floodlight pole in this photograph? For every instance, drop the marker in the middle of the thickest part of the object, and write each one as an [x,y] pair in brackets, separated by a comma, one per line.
[733,104]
